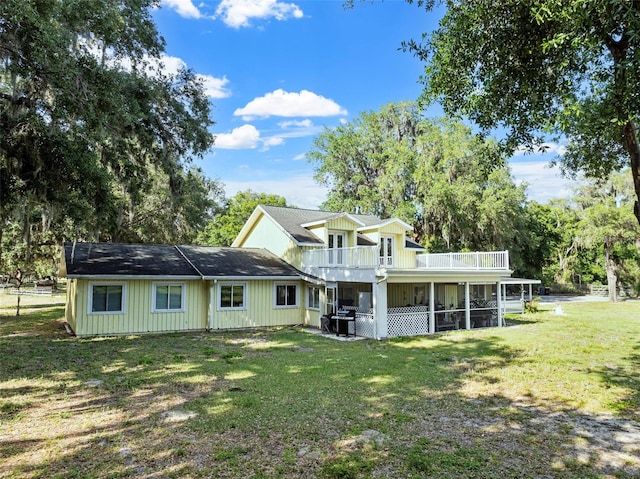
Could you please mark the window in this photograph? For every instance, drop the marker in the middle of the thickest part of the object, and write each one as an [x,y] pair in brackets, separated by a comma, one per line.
[233,296]
[286,295]
[168,297]
[106,298]
[386,251]
[313,297]
[336,248]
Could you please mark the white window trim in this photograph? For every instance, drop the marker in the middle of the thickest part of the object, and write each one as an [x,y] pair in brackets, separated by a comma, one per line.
[384,260]
[244,296]
[106,283]
[337,256]
[309,289]
[182,309]
[285,306]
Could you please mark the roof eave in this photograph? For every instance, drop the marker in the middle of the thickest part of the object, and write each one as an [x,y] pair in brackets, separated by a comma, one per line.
[386,222]
[122,277]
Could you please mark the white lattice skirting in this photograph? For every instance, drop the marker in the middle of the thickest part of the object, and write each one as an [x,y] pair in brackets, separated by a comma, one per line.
[366,326]
[407,321]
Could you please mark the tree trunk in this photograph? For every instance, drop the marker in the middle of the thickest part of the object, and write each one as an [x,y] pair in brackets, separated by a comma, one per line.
[631,142]
[612,273]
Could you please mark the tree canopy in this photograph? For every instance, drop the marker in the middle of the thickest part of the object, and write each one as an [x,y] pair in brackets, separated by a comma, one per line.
[223,229]
[94,131]
[539,67]
[452,186]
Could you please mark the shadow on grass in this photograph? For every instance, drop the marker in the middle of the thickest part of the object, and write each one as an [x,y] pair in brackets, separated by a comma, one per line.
[628,378]
[282,403]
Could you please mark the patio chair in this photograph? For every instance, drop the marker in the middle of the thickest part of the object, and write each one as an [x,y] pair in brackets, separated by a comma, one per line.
[327,324]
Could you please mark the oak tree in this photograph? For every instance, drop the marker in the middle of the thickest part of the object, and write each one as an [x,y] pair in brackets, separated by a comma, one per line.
[537,67]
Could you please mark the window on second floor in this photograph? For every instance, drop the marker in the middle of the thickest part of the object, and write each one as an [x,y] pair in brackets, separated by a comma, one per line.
[336,251]
[386,251]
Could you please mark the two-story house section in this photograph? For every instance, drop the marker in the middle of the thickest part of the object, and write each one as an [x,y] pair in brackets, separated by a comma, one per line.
[371,265]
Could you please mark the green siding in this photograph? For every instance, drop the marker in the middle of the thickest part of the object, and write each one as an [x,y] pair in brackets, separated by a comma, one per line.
[137,317]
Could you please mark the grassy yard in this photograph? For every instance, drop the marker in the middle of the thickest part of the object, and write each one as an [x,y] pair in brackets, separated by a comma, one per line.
[552,396]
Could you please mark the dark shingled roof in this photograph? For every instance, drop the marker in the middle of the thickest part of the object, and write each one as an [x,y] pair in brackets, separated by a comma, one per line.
[412,244]
[113,259]
[291,219]
[219,262]
[103,259]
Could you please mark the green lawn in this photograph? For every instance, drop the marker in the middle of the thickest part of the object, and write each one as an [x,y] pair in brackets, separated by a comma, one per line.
[552,396]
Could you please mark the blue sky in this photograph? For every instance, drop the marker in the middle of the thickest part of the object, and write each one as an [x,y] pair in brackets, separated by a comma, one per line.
[278,72]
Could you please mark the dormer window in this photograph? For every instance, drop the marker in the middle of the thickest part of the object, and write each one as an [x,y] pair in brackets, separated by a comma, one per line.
[386,251]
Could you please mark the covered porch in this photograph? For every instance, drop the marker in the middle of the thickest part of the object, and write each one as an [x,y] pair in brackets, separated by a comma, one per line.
[384,310]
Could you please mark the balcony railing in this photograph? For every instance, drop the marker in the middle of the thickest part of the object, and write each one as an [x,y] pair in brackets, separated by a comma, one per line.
[358,257]
[368,257]
[475,260]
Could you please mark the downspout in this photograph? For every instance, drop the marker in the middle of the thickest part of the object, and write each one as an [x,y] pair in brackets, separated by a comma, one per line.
[212,302]
[467,306]
[432,308]
[499,303]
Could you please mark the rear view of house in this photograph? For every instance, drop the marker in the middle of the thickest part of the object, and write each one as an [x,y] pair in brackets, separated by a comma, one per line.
[286,266]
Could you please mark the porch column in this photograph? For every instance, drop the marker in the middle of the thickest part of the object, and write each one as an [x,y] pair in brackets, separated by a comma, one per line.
[467,307]
[499,303]
[530,292]
[380,309]
[432,308]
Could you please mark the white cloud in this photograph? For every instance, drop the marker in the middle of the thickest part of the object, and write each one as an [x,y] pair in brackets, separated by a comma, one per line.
[286,104]
[299,189]
[302,123]
[301,156]
[543,181]
[215,87]
[238,13]
[272,141]
[543,149]
[169,65]
[184,8]
[243,137]
[246,137]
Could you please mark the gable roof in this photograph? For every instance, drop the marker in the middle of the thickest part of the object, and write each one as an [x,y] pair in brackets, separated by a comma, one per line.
[292,219]
[114,260]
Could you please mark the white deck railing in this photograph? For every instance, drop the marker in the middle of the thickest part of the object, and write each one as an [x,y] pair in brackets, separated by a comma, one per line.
[475,260]
[367,257]
[358,257]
